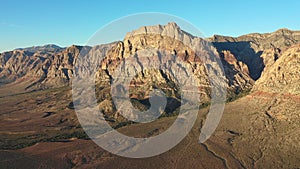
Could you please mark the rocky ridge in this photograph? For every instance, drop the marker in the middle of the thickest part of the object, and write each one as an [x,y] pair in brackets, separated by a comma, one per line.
[284,75]
[257,50]
[244,58]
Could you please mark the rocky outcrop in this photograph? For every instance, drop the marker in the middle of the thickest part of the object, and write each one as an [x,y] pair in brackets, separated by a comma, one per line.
[257,50]
[237,73]
[284,75]
[41,67]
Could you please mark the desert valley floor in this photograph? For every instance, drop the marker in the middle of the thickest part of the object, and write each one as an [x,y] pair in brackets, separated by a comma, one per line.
[255,132]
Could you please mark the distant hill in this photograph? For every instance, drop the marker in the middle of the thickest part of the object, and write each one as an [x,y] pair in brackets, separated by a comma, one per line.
[45,48]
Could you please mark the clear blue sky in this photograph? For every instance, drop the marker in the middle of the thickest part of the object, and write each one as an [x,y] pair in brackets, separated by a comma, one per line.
[29,23]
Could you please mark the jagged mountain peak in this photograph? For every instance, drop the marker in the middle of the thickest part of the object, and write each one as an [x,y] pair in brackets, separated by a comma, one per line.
[283,30]
[171,30]
[73,47]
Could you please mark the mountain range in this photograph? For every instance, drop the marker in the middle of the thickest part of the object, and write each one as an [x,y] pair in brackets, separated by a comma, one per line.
[244,58]
[259,128]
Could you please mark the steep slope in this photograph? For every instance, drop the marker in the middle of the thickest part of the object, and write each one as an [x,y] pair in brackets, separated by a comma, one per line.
[38,67]
[237,77]
[51,66]
[283,76]
[256,50]
[150,45]
[273,60]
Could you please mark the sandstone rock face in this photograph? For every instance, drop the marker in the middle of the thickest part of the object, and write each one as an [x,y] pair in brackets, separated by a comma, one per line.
[151,45]
[243,58]
[171,39]
[284,75]
[237,73]
[51,66]
[39,67]
[257,50]
[272,58]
